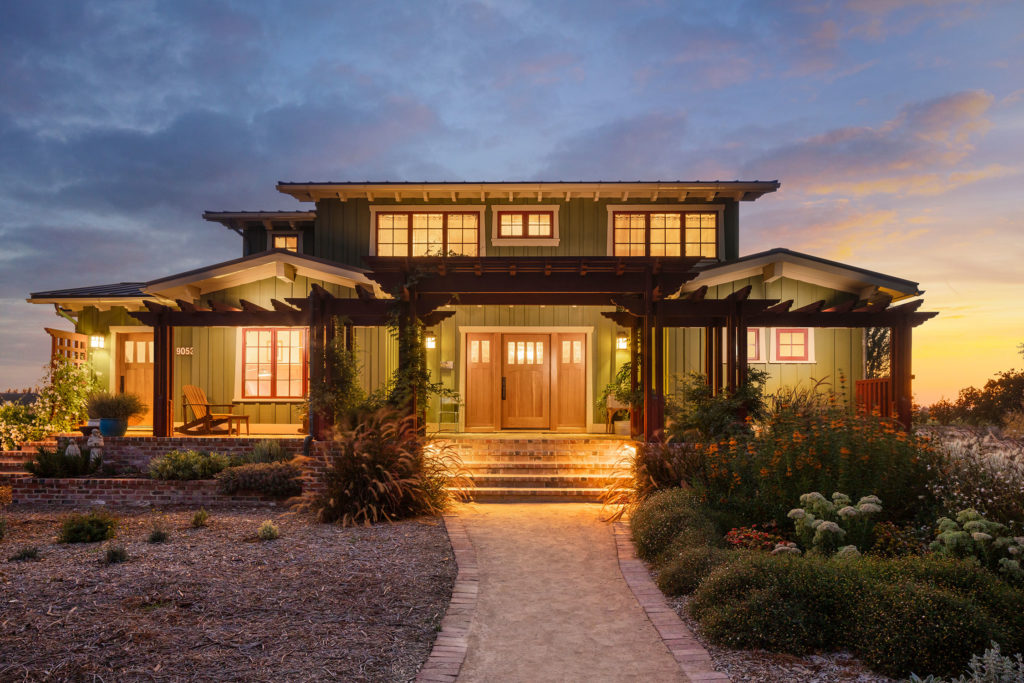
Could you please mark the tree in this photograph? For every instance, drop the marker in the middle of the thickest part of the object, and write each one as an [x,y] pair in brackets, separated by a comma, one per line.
[877,347]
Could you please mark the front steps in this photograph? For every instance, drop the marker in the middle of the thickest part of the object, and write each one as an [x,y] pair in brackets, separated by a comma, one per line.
[12,463]
[541,467]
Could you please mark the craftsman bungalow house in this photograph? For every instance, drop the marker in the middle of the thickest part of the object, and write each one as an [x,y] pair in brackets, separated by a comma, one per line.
[533,295]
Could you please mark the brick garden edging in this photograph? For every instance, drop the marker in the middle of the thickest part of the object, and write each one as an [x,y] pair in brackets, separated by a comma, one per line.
[693,659]
[449,651]
[125,493]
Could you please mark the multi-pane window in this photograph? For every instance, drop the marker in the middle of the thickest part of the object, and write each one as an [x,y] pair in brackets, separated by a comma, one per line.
[672,233]
[289,242]
[525,224]
[428,234]
[273,363]
[791,344]
[525,353]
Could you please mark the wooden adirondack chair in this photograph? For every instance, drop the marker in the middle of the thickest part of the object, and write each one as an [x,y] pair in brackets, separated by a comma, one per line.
[204,419]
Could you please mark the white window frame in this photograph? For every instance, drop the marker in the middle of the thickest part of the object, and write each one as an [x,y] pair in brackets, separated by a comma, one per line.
[285,233]
[718,209]
[773,349]
[478,209]
[552,241]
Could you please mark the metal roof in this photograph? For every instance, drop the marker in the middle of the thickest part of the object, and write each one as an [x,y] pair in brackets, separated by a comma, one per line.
[118,289]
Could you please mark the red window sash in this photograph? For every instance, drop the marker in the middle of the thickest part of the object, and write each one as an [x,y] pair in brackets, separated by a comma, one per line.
[526,224]
[647,228]
[793,330]
[273,364]
[444,227]
[756,333]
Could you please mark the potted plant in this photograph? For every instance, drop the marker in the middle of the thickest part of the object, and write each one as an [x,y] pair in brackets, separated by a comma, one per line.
[618,398]
[114,411]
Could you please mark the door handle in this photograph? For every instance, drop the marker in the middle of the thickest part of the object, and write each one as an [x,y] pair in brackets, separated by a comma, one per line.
[502,388]
[122,384]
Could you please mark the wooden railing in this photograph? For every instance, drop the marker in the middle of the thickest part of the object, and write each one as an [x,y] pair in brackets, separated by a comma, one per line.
[875,395]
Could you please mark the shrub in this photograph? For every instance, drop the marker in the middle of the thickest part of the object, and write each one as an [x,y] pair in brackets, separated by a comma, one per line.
[752,538]
[651,467]
[983,474]
[115,406]
[896,541]
[115,555]
[824,525]
[990,667]
[267,450]
[19,423]
[25,554]
[665,516]
[157,536]
[267,531]
[187,465]
[200,518]
[990,543]
[696,409]
[682,571]
[993,402]
[56,463]
[93,527]
[274,479]
[382,470]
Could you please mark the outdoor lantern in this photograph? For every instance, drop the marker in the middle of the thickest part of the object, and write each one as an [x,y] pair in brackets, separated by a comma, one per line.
[96,342]
[622,342]
[431,342]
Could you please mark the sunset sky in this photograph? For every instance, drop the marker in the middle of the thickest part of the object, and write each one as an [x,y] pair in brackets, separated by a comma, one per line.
[896,128]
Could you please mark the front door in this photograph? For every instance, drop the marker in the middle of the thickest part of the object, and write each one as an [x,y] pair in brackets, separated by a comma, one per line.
[526,381]
[135,370]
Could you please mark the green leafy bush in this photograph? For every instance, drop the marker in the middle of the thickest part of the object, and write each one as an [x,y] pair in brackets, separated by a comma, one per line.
[696,410]
[382,470]
[681,571]
[666,515]
[896,541]
[274,479]
[267,450]
[93,527]
[20,423]
[990,543]
[24,554]
[990,667]
[187,465]
[990,405]
[115,555]
[49,464]
[200,518]
[825,525]
[267,531]
[115,406]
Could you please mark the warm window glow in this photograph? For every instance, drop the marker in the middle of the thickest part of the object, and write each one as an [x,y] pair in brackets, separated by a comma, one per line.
[622,342]
[431,342]
[754,344]
[675,233]
[791,344]
[525,224]
[96,342]
[428,234]
[273,363]
[289,242]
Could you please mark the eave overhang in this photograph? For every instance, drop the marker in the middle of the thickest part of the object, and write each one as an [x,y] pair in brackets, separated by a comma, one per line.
[736,190]
[271,220]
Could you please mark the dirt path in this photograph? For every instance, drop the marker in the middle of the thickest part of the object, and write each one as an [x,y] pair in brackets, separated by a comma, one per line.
[553,605]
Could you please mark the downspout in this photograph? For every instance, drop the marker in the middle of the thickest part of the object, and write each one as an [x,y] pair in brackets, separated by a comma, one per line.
[64,314]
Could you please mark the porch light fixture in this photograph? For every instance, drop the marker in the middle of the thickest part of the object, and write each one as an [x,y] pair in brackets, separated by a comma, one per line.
[431,342]
[622,342]
[96,342]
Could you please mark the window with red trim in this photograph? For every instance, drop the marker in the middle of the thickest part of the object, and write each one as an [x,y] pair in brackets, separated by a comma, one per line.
[792,344]
[754,345]
[526,224]
[416,233]
[274,363]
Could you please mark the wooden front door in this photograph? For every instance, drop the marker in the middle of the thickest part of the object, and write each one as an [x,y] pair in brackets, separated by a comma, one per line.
[483,377]
[570,358]
[526,381]
[135,370]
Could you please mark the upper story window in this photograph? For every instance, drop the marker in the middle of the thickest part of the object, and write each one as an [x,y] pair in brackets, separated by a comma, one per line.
[650,231]
[525,225]
[292,241]
[427,233]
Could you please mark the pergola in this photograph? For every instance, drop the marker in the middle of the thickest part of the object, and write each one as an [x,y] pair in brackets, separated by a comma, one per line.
[640,287]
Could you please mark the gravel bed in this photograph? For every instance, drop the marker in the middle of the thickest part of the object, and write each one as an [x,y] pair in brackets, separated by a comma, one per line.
[760,666]
[214,603]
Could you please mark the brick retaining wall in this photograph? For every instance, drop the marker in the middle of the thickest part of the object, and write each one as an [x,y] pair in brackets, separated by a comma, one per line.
[126,493]
[133,453]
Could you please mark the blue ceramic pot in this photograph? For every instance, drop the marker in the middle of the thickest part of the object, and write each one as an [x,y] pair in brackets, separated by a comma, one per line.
[111,427]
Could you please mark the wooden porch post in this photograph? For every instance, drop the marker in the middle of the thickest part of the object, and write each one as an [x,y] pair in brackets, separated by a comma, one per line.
[731,344]
[635,412]
[317,361]
[901,373]
[163,378]
[646,369]
[741,349]
[659,375]
[716,358]
[709,357]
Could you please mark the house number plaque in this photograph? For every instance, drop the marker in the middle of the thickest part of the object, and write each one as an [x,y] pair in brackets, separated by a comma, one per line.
[184,351]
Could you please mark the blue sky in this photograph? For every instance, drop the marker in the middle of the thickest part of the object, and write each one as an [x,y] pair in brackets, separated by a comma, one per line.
[895,126]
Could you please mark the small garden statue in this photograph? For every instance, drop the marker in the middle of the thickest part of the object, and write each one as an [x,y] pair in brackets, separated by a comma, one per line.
[95,445]
[72,450]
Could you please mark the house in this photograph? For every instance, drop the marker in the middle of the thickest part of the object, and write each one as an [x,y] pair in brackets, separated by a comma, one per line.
[533,296]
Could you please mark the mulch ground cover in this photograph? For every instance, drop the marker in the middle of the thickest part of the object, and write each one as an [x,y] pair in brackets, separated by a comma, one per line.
[216,604]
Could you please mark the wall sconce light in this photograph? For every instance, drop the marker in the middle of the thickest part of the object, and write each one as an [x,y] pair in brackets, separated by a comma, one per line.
[622,342]
[431,342]
[96,342]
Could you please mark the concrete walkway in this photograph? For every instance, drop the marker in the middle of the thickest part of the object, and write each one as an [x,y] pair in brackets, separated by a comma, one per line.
[552,603]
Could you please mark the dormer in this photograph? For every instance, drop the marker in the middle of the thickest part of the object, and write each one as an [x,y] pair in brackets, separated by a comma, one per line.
[266,230]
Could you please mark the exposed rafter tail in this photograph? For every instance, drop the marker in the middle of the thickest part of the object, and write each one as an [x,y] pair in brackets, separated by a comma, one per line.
[811,308]
[250,306]
[281,306]
[781,307]
[698,294]
[740,294]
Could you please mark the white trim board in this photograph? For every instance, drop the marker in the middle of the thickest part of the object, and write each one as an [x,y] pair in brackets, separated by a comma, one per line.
[530,329]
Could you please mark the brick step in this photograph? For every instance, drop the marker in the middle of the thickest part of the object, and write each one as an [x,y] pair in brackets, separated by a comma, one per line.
[7,477]
[539,458]
[542,467]
[547,481]
[18,466]
[534,495]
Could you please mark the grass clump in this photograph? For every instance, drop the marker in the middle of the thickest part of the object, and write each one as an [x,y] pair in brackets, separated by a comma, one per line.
[267,531]
[93,527]
[265,451]
[29,552]
[272,479]
[157,536]
[49,464]
[115,555]
[200,518]
[187,465]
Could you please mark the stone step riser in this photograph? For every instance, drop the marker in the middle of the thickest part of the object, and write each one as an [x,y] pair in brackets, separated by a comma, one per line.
[545,471]
[549,458]
[537,495]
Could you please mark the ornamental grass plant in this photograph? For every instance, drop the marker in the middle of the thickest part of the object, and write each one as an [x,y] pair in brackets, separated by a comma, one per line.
[187,465]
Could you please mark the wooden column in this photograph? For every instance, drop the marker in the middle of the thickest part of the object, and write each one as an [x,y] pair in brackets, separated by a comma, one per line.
[741,351]
[635,412]
[716,357]
[317,361]
[901,373]
[163,378]
[645,362]
[709,357]
[659,376]
[730,351]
